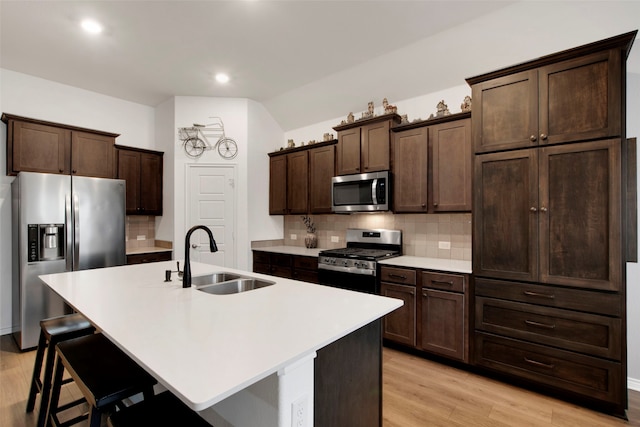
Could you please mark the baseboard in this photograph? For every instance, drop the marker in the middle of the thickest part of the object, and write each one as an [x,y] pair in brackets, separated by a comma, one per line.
[633,384]
[9,330]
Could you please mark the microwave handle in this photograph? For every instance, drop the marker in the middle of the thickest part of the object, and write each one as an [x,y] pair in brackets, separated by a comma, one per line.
[374,191]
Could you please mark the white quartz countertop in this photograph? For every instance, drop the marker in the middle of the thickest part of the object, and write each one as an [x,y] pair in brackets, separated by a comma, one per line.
[206,347]
[452,265]
[291,250]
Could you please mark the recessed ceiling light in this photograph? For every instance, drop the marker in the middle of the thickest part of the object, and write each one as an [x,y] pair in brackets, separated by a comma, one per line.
[91,26]
[222,78]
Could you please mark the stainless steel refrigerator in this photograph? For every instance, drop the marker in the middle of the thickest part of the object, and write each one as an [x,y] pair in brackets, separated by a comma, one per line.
[60,223]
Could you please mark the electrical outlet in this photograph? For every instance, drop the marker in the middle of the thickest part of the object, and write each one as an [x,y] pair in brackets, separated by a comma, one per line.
[142,237]
[444,245]
[294,237]
[335,239]
[299,412]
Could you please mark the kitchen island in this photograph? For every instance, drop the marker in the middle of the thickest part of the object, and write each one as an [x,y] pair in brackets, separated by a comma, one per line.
[245,359]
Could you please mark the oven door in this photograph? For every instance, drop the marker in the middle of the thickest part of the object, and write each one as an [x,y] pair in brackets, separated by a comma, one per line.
[350,281]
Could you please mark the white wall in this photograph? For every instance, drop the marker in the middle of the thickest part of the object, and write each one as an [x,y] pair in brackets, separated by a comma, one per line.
[233,111]
[33,97]
[165,130]
[264,135]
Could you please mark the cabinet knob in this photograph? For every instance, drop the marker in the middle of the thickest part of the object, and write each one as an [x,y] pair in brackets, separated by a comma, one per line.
[533,209]
[543,209]
[424,205]
[533,138]
[543,136]
[60,170]
[74,171]
[434,204]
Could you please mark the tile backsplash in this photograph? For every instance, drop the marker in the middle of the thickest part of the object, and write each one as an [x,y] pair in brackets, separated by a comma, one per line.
[140,231]
[428,235]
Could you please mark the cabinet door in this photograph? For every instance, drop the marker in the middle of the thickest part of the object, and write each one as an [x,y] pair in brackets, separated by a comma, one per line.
[400,325]
[580,220]
[443,323]
[278,185]
[348,154]
[505,112]
[375,147]
[451,168]
[297,182]
[37,148]
[321,170]
[505,215]
[92,154]
[151,183]
[410,169]
[129,170]
[580,99]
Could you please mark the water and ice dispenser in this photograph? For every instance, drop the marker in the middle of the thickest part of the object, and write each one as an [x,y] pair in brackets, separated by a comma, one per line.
[45,242]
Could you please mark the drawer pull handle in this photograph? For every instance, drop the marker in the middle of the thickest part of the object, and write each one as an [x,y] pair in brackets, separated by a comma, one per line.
[537,294]
[536,363]
[398,276]
[441,282]
[540,325]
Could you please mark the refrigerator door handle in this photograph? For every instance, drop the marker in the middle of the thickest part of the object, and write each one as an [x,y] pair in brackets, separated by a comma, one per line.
[68,221]
[76,232]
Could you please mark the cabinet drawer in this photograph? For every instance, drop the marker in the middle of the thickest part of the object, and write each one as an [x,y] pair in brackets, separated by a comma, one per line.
[589,376]
[310,276]
[445,282]
[282,260]
[260,267]
[398,275]
[261,257]
[305,262]
[585,333]
[280,271]
[551,296]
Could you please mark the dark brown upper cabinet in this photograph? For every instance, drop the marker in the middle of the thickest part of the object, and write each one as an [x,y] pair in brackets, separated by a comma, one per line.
[142,170]
[46,147]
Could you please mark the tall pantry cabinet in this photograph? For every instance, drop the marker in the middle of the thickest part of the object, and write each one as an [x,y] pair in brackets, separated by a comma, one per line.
[549,226]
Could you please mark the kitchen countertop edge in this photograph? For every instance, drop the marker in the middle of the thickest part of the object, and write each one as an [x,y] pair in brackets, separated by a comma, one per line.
[441,264]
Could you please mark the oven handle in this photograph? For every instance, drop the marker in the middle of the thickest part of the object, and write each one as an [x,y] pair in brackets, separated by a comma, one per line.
[351,270]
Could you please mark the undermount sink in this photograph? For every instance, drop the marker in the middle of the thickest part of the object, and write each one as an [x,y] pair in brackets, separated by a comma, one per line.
[226,283]
[213,278]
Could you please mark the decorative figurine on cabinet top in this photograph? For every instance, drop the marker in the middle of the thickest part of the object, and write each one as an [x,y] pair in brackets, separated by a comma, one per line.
[442,111]
[388,108]
[369,113]
[290,143]
[350,118]
[466,104]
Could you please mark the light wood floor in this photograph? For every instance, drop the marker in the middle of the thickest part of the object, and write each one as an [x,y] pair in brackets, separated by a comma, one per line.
[417,393]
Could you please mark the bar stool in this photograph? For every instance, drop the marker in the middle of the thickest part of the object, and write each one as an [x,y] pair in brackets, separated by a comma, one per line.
[52,331]
[163,409]
[104,374]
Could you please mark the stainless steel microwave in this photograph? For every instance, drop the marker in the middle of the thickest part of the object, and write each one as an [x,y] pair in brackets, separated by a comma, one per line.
[366,192]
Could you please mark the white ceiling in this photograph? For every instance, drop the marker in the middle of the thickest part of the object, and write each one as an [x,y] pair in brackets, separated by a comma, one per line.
[276,52]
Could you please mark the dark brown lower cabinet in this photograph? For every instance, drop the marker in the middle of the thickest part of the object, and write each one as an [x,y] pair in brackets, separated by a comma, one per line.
[591,377]
[435,314]
[297,267]
[148,257]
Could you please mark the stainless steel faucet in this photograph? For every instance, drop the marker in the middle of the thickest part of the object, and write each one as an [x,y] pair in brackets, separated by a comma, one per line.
[186,278]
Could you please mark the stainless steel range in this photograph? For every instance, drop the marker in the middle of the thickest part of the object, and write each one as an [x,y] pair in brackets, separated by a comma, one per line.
[355,267]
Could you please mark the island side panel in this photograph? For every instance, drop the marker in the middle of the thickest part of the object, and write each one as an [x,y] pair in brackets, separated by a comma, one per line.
[348,380]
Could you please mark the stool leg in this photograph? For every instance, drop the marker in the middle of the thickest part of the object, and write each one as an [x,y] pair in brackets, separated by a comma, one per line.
[54,399]
[37,368]
[46,384]
[94,417]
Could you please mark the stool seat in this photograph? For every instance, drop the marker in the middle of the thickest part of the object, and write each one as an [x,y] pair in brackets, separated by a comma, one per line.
[162,409]
[63,326]
[104,374]
[52,331]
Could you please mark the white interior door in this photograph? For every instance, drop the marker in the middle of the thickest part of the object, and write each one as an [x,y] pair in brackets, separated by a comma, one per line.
[211,201]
